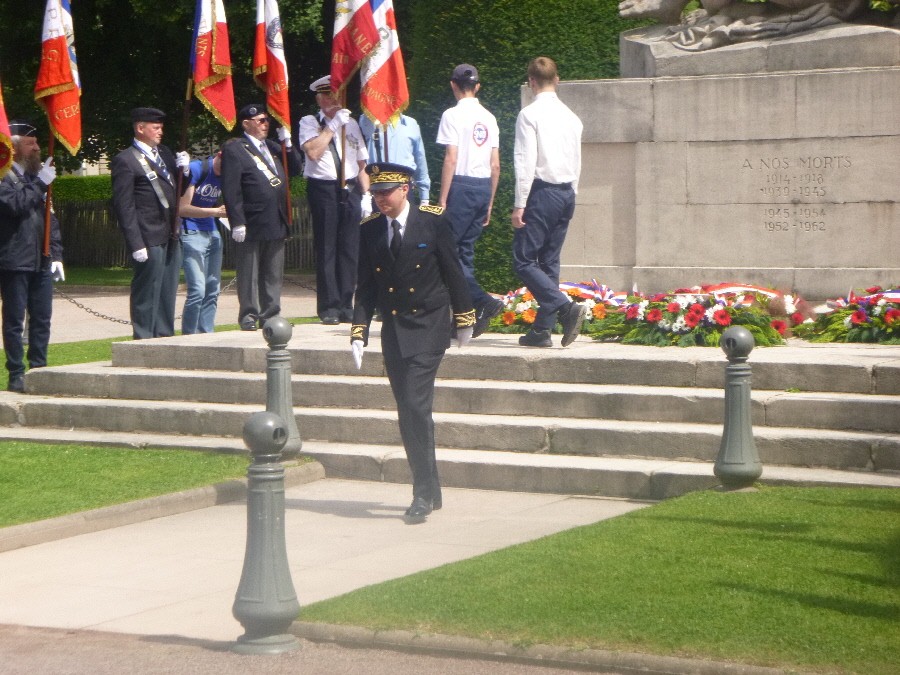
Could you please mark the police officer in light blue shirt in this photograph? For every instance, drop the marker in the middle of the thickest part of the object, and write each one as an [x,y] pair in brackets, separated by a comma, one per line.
[400,144]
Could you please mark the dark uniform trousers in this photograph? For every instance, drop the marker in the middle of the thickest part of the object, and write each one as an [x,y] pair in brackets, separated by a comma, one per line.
[153,290]
[21,292]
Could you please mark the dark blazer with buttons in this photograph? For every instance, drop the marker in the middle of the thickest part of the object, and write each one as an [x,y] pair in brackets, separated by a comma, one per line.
[250,199]
[141,216]
[416,292]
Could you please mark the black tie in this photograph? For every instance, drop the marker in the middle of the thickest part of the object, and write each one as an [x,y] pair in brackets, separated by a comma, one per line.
[395,240]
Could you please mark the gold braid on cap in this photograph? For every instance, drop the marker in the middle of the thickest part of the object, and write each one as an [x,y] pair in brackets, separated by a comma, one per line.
[464,319]
[388,177]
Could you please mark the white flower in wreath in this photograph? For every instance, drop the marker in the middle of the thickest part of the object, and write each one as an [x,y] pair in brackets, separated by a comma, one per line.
[789,306]
[679,326]
[522,306]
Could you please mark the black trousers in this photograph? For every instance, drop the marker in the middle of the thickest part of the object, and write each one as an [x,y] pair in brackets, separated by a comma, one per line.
[153,290]
[336,213]
[412,381]
[22,292]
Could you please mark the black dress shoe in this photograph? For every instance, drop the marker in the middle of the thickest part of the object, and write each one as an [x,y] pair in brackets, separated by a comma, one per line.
[437,503]
[330,320]
[16,384]
[487,312]
[571,318]
[418,511]
[536,338]
[248,325]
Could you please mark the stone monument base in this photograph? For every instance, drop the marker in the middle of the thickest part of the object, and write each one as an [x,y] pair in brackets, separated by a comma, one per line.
[643,52]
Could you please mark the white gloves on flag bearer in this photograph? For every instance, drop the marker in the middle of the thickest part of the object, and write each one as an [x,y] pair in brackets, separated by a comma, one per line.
[57,271]
[183,162]
[140,255]
[47,174]
[365,204]
[341,117]
[284,136]
[239,233]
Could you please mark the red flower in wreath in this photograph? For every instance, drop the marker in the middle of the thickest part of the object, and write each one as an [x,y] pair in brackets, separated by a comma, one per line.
[796,318]
[691,319]
[697,309]
[892,316]
[654,315]
[722,317]
[873,289]
[779,325]
[859,317]
[632,312]
[673,307]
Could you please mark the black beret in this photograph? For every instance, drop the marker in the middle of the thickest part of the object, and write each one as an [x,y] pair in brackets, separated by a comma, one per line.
[251,110]
[147,115]
[21,128]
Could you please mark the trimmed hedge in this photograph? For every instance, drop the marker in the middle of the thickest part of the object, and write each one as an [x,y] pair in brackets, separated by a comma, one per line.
[500,38]
[82,188]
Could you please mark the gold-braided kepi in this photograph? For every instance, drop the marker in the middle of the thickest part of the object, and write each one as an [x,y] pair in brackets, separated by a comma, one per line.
[387,175]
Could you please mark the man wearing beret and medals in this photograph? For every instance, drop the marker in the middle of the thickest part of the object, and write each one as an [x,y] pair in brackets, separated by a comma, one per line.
[144,199]
[255,189]
[409,271]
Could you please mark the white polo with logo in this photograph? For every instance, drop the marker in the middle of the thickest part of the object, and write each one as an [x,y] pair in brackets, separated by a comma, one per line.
[474,131]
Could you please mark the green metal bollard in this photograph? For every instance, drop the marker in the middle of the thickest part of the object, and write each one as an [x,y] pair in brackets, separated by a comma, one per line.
[737,464]
[279,395]
[266,602]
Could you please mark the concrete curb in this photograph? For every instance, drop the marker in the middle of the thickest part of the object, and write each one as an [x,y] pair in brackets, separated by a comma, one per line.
[51,529]
[545,655]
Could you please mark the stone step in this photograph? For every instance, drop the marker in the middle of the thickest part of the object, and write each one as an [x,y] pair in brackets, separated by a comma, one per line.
[322,350]
[489,470]
[857,412]
[789,446]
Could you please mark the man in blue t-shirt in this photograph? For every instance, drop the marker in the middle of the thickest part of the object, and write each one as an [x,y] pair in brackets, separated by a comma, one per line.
[200,205]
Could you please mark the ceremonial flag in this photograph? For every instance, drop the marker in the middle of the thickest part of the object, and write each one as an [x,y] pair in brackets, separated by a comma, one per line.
[383,93]
[6,149]
[355,37]
[211,62]
[269,65]
[58,86]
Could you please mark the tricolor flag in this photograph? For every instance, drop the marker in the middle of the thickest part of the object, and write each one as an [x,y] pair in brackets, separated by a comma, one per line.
[211,62]
[383,91]
[355,37]
[269,65]
[6,149]
[58,87]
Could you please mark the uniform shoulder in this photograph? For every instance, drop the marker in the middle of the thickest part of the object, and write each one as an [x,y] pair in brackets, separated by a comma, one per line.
[432,208]
[372,216]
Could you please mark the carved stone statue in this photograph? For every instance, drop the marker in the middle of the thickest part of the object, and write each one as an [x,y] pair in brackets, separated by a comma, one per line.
[724,22]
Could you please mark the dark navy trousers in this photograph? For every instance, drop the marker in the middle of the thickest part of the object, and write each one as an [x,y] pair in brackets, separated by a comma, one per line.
[23,292]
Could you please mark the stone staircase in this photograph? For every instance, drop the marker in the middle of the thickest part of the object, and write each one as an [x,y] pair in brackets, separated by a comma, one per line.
[609,420]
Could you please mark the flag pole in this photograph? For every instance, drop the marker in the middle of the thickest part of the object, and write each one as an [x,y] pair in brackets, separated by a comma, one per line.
[343,143]
[48,204]
[385,139]
[287,177]
[185,122]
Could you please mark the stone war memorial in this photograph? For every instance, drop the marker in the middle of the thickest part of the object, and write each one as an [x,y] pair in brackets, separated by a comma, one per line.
[724,154]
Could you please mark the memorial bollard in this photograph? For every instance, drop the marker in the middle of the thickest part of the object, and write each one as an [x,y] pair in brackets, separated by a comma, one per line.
[737,464]
[265,603]
[279,395]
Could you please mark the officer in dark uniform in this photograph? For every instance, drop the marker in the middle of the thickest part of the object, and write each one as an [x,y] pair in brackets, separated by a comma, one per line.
[26,275]
[409,271]
[144,199]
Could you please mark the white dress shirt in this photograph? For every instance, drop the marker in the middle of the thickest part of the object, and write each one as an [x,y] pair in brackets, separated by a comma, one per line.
[324,168]
[548,145]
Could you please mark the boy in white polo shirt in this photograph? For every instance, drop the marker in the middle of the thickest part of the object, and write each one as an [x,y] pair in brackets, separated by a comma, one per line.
[469,179]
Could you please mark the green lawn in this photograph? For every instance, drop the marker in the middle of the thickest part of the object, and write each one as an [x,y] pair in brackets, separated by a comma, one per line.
[789,577]
[43,481]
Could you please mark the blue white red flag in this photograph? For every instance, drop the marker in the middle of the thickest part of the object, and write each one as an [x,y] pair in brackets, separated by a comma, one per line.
[58,86]
[355,38]
[211,62]
[269,64]
[384,94]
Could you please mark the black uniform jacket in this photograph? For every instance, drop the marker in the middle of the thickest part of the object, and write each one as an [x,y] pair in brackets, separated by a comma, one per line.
[415,292]
[141,216]
[22,224]
[250,197]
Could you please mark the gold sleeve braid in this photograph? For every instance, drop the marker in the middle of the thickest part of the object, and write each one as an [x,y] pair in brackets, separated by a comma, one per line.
[464,319]
[359,331]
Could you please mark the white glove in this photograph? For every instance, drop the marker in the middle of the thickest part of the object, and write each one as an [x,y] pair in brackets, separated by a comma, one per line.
[366,205]
[57,271]
[140,255]
[284,135]
[358,348]
[341,117]
[424,202]
[48,172]
[239,233]
[183,162]
[463,335]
